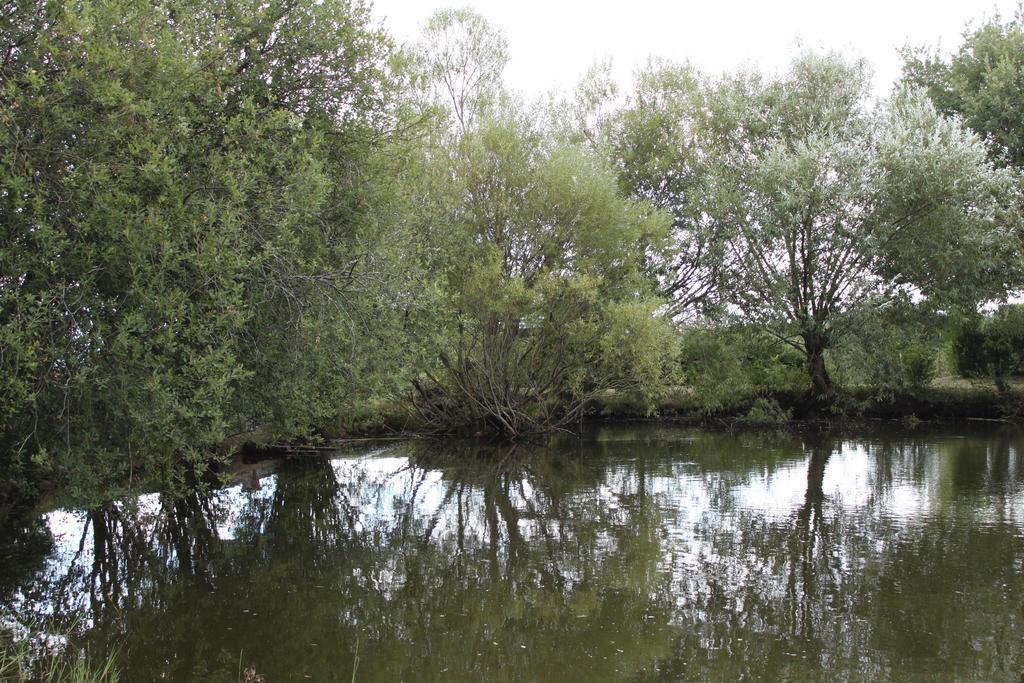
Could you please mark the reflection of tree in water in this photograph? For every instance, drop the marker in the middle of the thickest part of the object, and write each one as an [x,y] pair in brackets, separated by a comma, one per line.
[836,588]
[185,533]
[522,561]
[750,590]
[123,560]
[459,563]
[24,547]
[24,544]
[121,556]
[809,542]
[614,562]
[311,516]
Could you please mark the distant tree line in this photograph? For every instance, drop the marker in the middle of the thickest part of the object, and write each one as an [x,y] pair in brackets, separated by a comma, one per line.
[232,218]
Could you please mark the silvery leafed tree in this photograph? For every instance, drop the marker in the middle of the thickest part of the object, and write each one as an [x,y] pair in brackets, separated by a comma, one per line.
[829,202]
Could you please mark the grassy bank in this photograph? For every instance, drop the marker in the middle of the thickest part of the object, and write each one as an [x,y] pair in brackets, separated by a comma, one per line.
[943,400]
[946,399]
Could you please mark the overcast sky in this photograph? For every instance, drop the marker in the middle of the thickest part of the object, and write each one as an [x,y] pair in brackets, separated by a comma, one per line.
[554,41]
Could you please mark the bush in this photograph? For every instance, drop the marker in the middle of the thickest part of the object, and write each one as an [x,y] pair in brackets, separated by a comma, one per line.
[767,412]
[991,346]
[918,365]
[892,347]
[182,240]
[728,368]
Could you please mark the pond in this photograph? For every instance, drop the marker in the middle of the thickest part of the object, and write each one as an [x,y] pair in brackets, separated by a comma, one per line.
[633,553]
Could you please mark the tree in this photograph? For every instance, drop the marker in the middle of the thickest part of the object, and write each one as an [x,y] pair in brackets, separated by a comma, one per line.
[544,305]
[982,82]
[462,56]
[654,144]
[182,193]
[652,136]
[829,204]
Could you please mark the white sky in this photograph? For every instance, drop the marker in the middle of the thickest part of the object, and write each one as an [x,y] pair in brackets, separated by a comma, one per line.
[553,42]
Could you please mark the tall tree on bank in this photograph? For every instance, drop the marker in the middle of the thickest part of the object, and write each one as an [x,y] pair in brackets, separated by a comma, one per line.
[983,84]
[654,143]
[652,135]
[829,203]
[184,202]
[544,304]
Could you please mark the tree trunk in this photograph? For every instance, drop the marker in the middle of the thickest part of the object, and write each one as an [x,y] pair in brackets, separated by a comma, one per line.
[815,344]
[808,549]
[815,492]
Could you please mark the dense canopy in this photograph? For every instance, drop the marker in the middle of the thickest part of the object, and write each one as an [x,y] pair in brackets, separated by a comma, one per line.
[259,221]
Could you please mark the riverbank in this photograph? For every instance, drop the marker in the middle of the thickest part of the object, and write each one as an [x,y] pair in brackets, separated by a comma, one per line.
[944,400]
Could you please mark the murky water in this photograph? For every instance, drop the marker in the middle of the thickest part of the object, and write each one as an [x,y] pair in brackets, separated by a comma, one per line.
[639,553]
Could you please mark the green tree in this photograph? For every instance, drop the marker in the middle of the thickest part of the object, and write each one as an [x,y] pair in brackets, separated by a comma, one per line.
[462,57]
[545,306]
[542,302]
[654,143]
[652,136]
[183,189]
[982,82]
[829,203]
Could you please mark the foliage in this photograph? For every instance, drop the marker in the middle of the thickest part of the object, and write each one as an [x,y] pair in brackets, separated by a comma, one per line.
[828,203]
[993,345]
[766,412]
[228,218]
[918,365]
[982,82]
[728,367]
[655,143]
[891,344]
[541,302]
[544,306]
[183,191]
[462,57]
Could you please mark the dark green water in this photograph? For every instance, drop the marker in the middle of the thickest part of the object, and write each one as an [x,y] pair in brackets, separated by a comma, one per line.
[642,553]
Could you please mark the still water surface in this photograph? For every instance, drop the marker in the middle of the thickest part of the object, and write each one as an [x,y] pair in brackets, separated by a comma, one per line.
[636,553]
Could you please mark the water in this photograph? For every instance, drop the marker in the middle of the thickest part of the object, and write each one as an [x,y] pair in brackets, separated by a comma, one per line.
[638,553]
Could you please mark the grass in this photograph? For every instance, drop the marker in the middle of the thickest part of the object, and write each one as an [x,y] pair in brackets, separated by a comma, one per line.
[355,664]
[18,663]
[967,384]
[944,399]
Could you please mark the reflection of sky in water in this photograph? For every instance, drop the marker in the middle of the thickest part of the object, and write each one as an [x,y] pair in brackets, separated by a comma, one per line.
[694,498]
[698,508]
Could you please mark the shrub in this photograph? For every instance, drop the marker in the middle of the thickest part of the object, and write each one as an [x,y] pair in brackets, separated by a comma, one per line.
[991,346]
[727,368]
[766,412]
[918,365]
[890,347]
